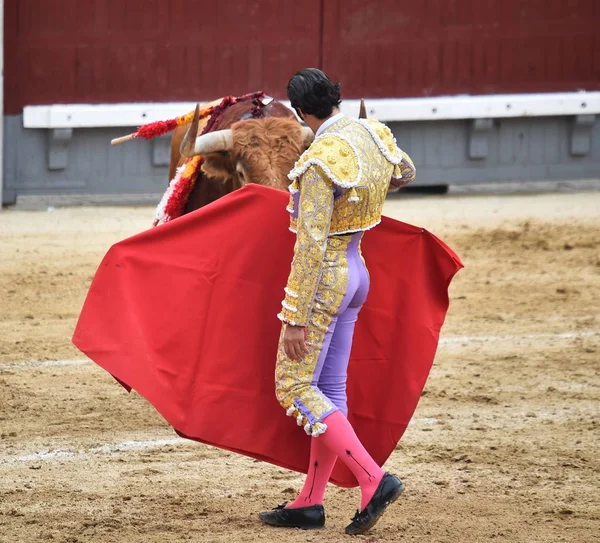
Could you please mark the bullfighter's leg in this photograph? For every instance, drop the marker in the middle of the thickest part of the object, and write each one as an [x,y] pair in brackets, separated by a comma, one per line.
[332,383]
[321,463]
[340,437]
[327,388]
[297,381]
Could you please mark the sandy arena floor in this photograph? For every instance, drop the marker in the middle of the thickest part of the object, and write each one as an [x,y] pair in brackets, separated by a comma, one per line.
[504,445]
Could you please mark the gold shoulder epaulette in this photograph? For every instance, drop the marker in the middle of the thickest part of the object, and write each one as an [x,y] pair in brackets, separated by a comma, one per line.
[384,139]
[336,157]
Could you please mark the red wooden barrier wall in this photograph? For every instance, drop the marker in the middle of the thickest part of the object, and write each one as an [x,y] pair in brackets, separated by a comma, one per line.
[73,51]
[436,47]
[70,51]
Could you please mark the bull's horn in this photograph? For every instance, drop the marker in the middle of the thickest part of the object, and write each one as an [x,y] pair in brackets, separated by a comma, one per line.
[187,143]
[363,110]
[307,136]
[213,142]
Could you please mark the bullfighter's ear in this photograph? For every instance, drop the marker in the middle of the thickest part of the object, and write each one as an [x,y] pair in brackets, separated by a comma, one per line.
[308,136]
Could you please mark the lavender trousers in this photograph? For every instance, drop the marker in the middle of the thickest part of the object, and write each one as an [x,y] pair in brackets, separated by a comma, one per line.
[331,371]
[312,388]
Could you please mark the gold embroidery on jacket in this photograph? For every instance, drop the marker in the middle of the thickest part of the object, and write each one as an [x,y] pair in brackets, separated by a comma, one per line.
[312,227]
[293,379]
[336,156]
[403,173]
[367,151]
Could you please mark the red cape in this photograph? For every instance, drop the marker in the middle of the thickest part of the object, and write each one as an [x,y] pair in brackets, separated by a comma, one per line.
[185,314]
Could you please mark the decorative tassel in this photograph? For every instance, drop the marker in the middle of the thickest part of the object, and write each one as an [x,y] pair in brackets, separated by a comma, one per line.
[159,128]
[353,195]
[299,419]
[290,206]
[289,307]
[291,410]
[290,292]
[307,428]
[173,201]
[318,429]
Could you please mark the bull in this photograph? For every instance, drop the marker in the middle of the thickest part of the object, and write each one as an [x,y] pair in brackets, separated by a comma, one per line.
[244,147]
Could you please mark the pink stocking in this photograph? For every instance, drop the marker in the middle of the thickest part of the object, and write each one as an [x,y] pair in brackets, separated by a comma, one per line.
[341,439]
[321,465]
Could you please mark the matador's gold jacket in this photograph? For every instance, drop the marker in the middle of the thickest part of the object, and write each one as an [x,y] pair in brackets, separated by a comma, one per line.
[338,187]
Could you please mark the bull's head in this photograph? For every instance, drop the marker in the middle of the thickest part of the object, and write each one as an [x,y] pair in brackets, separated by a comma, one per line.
[261,151]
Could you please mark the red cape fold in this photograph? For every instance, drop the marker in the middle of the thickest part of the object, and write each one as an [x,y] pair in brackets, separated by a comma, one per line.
[186,314]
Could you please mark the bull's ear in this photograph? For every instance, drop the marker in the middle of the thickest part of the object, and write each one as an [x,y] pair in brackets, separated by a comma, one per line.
[188,144]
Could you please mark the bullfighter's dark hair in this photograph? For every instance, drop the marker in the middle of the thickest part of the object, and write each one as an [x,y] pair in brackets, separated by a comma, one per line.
[313,92]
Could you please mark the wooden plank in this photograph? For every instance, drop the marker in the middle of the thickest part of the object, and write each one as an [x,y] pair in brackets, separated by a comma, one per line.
[12,74]
[110,50]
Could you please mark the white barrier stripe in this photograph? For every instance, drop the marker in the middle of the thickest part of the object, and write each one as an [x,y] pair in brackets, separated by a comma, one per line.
[443,341]
[115,448]
[487,106]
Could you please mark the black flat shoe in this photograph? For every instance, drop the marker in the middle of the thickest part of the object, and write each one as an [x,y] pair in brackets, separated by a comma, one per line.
[387,492]
[307,518]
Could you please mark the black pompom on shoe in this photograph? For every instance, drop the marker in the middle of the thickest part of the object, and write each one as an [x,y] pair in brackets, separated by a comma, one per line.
[307,518]
[387,492]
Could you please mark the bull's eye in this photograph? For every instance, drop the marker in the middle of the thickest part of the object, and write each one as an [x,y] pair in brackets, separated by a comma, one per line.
[241,171]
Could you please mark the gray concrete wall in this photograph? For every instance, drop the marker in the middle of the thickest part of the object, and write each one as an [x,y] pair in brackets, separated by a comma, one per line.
[82,162]
[48,162]
[502,150]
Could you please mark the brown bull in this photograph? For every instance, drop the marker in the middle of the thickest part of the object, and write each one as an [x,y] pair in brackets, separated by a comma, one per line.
[242,149]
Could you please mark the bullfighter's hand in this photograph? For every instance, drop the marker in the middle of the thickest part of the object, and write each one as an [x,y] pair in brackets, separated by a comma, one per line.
[294,342]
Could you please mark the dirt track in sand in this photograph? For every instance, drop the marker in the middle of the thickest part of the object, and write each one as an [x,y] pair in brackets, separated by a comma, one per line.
[503,447]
